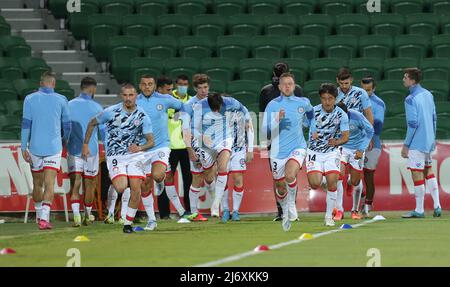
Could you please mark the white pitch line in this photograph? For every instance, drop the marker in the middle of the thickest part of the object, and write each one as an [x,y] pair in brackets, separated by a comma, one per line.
[276,246]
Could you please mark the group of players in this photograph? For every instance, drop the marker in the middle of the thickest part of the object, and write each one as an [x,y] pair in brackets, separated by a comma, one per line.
[343,139]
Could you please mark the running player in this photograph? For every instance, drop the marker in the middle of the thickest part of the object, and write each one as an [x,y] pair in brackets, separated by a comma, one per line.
[282,124]
[82,109]
[329,129]
[126,125]
[420,141]
[45,115]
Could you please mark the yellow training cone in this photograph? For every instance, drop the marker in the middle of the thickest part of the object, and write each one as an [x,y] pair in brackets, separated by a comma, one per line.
[306,236]
[81,238]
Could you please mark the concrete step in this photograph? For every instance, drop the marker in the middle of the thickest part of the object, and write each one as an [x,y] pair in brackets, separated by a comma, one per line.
[40,45]
[61,55]
[65,66]
[101,87]
[76,77]
[23,24]
[107,100]
[11,4]
[44,34]
[15,13]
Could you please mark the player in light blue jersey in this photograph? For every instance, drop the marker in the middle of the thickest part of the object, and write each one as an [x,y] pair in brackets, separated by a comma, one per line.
[125,126]
[82,109]
[352,159]
[420,141]
[372,155]
[329,129]
[283,126]
[45,114]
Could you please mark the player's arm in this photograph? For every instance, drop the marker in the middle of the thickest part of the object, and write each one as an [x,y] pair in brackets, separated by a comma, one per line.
[250,140]
[85,152]
[412,121]
[367,107]
[149,143]
[26,130]
[369,131]
[147,130]
[66,122]
[345,131]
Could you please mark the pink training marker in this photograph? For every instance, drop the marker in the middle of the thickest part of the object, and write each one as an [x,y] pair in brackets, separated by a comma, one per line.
[5,251]
[262,248]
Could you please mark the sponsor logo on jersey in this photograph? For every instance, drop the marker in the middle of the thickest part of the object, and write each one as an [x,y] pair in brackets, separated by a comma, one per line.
[301,110]
[159,107]
[161,154]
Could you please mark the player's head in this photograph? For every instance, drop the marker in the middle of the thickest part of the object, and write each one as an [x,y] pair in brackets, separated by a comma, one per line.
[147,85]
[48,79]
[215,101]
[129,95]
[342,106]
[368,84]
[344,79]
[201,85]
[164,85]
[279,69]
[328,93]
[88,86]
[182,82]
[287,84]
[412,77]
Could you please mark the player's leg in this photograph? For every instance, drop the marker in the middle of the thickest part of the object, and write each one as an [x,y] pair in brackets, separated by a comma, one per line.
[172,194]
[187,177]
[111,204]
[75,184]
[159,174]
[291,170]
[278,173]
[148,202]
[38,184]
[370,165]
[90,186]
[135,197]
[416,164]
[223,159]
[238,193]
[332,178]
[356,182]
[432,186]
[49,186]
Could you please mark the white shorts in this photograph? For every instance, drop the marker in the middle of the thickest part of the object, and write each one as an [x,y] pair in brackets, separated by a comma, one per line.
[130,165]
[87,168]
[348,157]
[371,159]
[237,161]
[196,167]
[278,165]
[324,163]
[208,156]
[160,155]
[39,163]
[418,161]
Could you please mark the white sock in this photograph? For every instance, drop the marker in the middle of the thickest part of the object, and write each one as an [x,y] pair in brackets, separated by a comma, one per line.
[112,198]
[159,186]
[238,193]
[331,203]
[87,209]
[225,205]
[433,188]
[38,208]
[419,191]
[147,201]
[173,197]
[221,182]
[131,213]
[292,190]
[357,190]
[76,207]
[211,187]
[283,201]
[193,199]
[45,214]
[125,199]
[340,196]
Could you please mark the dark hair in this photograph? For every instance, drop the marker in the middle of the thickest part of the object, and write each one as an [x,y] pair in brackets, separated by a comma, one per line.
[87,82]
[343,74]
[280,68]
[127,86]
[286,75]
[342,106]
[215,101]
[162,81]
[182,77]
[367,80]
[328,88]
[414,74]
[147,76]
[199,79]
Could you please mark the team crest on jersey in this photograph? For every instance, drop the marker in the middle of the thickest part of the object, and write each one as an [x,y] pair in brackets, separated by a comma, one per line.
[301,110]
[161,154]
[336,121]
[353,100]
[137,122]
[352,127]
[159,107]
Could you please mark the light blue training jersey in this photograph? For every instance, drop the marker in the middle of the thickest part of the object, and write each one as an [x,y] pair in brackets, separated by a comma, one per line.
[378,110]
[356,98]
[361,131]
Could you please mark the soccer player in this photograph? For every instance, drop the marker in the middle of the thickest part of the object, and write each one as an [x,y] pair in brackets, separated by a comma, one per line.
[352,159]
[329,129]
[282,124]
[372,155]
[82,109]
[45,115]
[420,141]
[126,125]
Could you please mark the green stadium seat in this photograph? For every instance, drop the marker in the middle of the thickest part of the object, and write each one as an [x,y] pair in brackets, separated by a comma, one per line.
[445,24]
[361,6]
[245,25]
[442,108]
[391,92]
[8,136]
[298,67]
[235,47]
[442,134]
[7,91]
[435,69]
[153,8]
[174,25]
[3,110]
[340,46]
[255,69]
[138,25]
[78,24]
[59,7]
[297,8]
[304,46]
[99,35]
[363,67]
[5,29]
[253,108]
[120,58]
[25,87]
[189,7]
[195,47]
[397,110]
[222,69]
[14,108]
[311,91]
[332,7]
[376,46]
[62,87]
[439,88]
[15,46]
[89,7]
[162,47]
[393,134]
[316,24]
[125,41]
[33,67]
[263,7]
[412,46]
[210,26]
[245,91]
[440,7]
[280,26]
[394,67]
[441,46]
[387,24]
[398,122]
[228,7]
[177,66]
[217,86]
[407,7]
[426,24]
[117,7]
[325,68]
[10,123]
[140,66]
[269,47]
[352,24]
[10,68]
